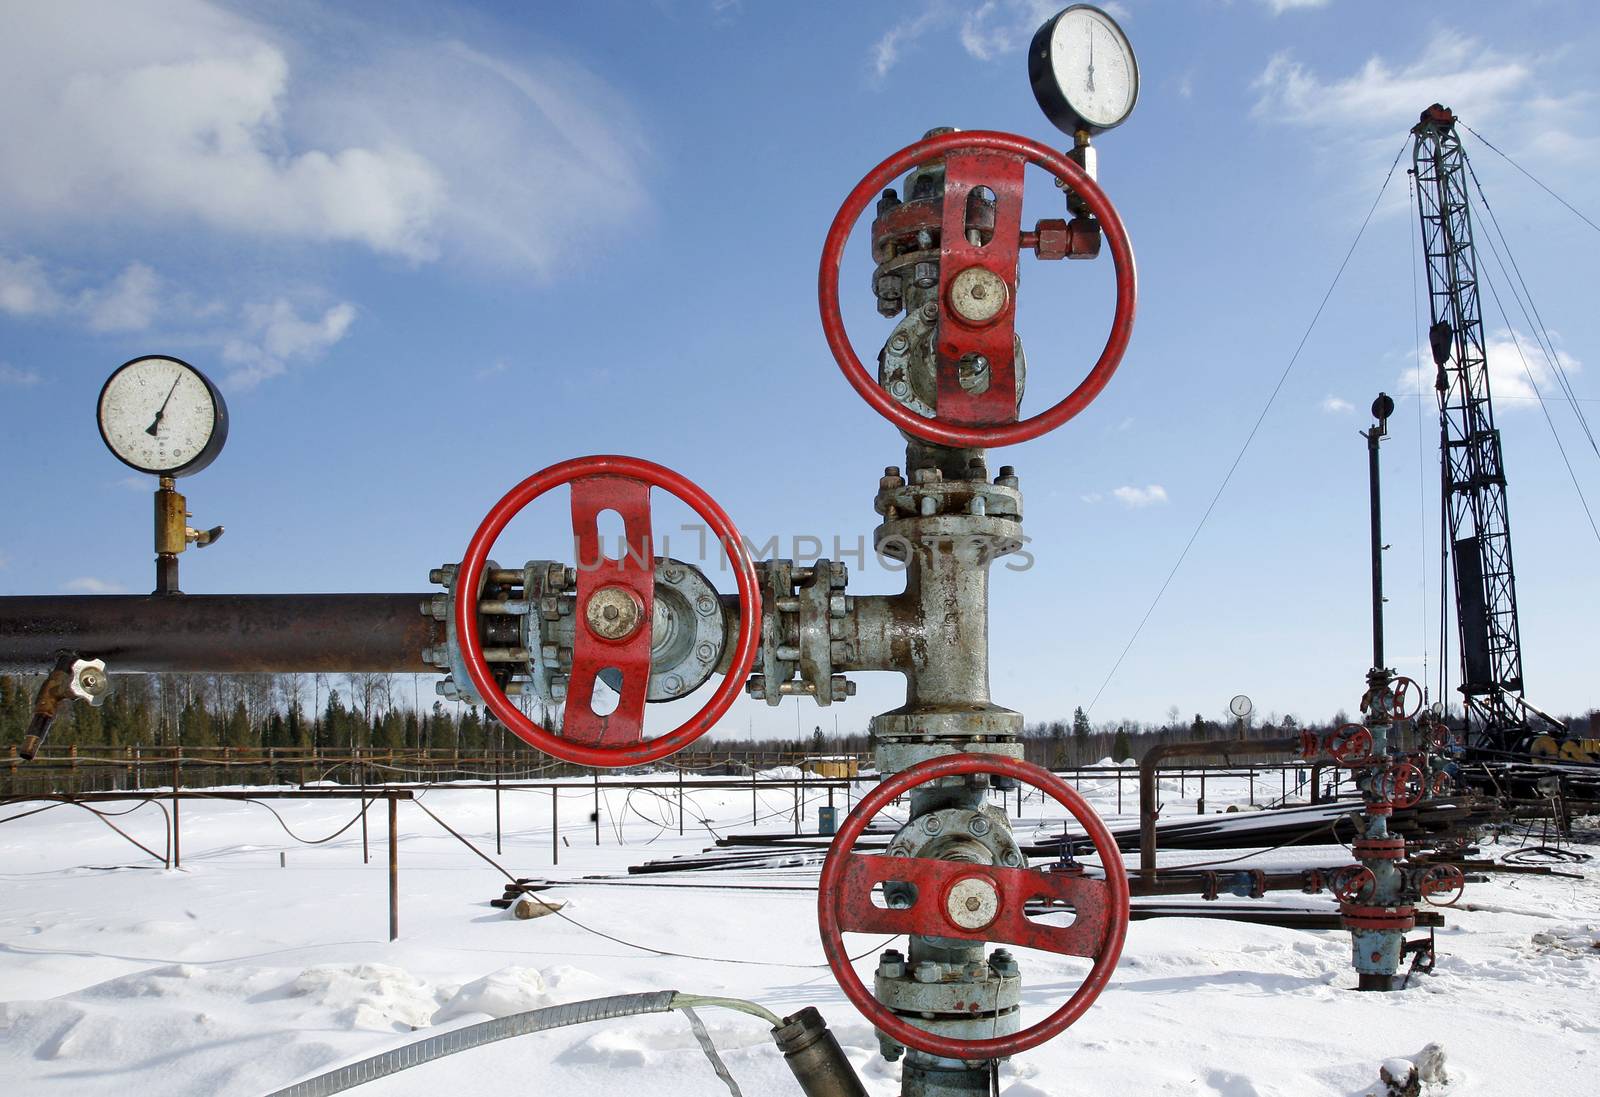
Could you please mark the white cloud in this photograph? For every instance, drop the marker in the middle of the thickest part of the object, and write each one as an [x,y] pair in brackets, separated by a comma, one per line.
[1278,7]
[1092,497]
[1140,497]
[1336,406]
[277,335]
[129,303]
[25,288]
[88,584]
[1473,79]
[180,112]
[886,50]
[22,378]
[1509,379]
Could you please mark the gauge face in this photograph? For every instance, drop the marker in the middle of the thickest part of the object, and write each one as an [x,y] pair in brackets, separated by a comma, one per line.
[1241,706]
[162,416]
[1083,71]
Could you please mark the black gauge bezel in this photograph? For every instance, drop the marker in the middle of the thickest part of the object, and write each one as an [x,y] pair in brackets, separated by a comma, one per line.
[219,420]
[1042,76]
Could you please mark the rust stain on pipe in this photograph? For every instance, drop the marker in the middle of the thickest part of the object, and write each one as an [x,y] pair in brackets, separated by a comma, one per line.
[220,633]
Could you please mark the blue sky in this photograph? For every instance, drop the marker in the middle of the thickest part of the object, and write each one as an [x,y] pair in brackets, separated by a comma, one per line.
[426,249]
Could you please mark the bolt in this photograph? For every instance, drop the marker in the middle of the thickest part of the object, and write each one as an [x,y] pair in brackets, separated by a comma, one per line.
[673,683]
[930,824]
[888,201]
[1011,858]
[757,685]
[926,972]
[891,479]
[930,311]
[889,286]
[705,652]
[899,343]
[704,606]
[1007,477]
[978,825]
[836,606]
[899,388]
[841,687]
[925,275]
[838,577]
[436,576]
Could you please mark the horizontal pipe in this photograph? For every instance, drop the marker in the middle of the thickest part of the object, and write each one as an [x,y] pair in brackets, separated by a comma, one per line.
[220,633]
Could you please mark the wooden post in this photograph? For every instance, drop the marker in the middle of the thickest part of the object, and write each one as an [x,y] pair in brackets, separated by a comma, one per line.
[394,867]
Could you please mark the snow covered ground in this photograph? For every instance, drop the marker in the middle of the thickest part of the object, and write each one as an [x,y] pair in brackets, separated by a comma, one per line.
[237,975]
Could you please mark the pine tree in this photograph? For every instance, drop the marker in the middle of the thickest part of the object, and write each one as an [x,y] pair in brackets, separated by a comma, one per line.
[1080,733]
[1120,750]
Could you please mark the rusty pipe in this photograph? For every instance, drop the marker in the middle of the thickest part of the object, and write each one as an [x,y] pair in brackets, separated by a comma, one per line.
[1193,748]
[220,633]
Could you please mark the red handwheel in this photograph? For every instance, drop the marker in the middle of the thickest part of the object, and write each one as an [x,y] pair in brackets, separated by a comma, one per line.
[1442,885]
[1351,745]
[974,159]
[845,905]
[1402,785]
[614,611]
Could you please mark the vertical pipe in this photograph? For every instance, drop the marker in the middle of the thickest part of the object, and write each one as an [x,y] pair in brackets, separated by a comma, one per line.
[394,866]
[497,848]
[555,825]
[177,847]
[1372,437]
[680,801]
[752,794]
[597,807]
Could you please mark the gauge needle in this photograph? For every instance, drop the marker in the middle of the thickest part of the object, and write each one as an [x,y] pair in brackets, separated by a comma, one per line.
[155,424]
[1091,58]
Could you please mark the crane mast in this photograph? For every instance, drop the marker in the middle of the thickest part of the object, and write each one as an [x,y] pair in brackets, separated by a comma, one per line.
[1474,480]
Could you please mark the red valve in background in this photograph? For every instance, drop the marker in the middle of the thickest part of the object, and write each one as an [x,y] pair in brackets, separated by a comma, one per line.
[845,905]
[994,160]
[614,611]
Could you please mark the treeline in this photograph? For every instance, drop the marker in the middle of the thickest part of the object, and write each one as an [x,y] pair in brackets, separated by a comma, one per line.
[256,710]
[387,712]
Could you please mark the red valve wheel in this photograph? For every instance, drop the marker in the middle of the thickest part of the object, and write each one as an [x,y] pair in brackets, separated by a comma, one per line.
[1442,784]
[1442,885]
[620,640]
[1310,745]
[1352,883]
[1402,785]
[844,905]
[1404,691]
[995,160]
[1351,745]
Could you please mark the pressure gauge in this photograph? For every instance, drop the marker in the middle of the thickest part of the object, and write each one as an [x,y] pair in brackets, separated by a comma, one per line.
[1083,71]
[1241,706]
[162,416]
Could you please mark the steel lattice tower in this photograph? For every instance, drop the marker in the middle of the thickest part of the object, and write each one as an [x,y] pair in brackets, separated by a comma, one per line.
[1474,481]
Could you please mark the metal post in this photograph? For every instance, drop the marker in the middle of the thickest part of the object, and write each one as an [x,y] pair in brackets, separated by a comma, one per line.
[394,867]
[753,794]
[555,825]
[497,848]
[597,807]
[177,847]
[680,801]
[1200,804]
[1119,789]
[366,858]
